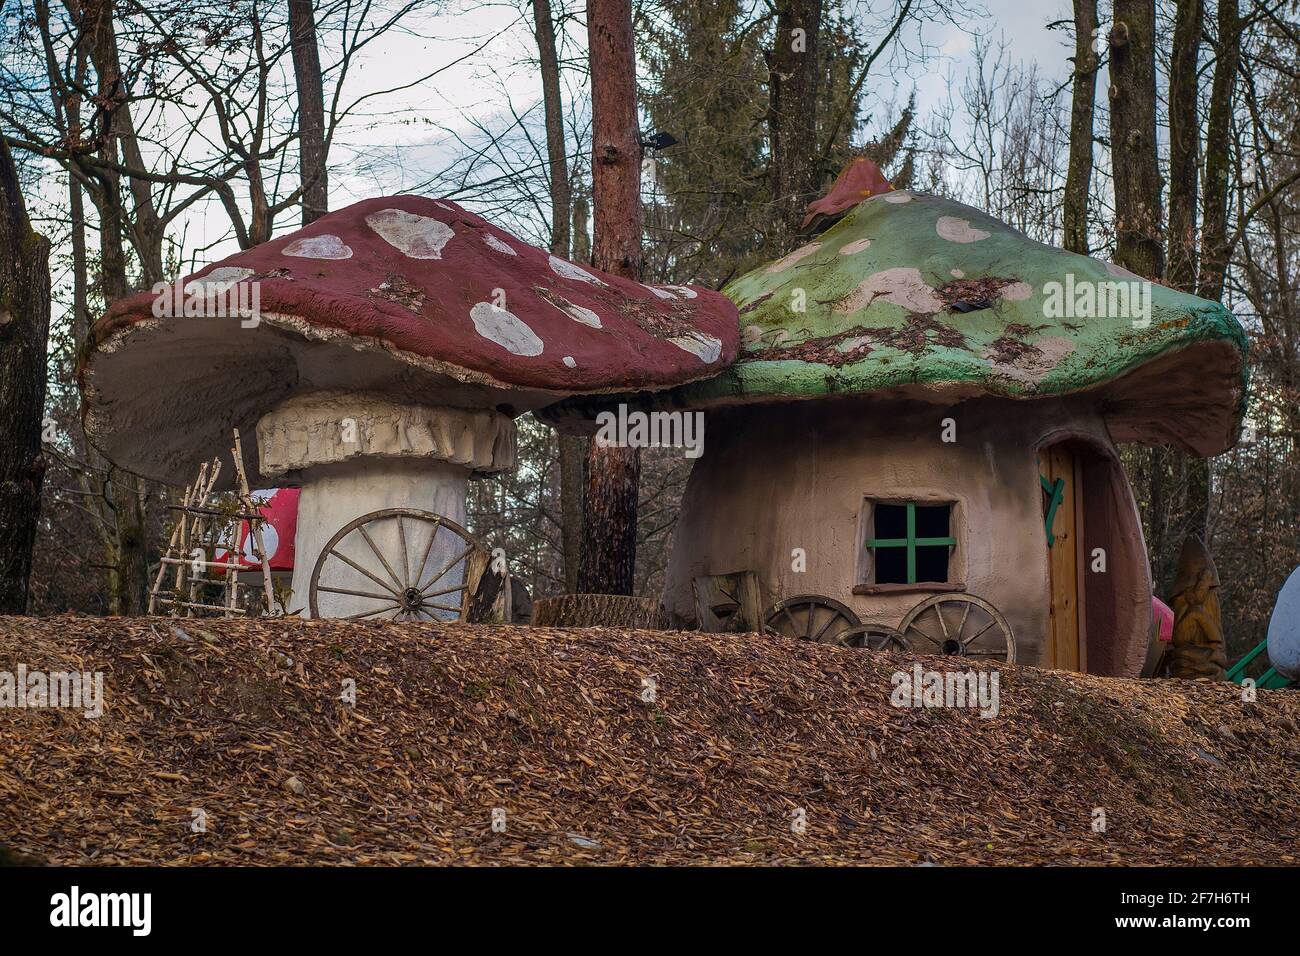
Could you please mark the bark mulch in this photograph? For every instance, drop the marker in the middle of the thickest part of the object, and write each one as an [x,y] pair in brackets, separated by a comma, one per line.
[243,720]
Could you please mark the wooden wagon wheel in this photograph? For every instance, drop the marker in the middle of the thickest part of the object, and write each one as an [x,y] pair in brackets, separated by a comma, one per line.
[810,617]
[959,625]
[873,637]
[401,580]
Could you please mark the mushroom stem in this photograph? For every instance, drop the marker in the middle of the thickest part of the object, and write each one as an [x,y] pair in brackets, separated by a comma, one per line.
[334,495]
[356,455]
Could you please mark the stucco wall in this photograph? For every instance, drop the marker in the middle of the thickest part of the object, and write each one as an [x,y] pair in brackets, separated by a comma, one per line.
[774,478]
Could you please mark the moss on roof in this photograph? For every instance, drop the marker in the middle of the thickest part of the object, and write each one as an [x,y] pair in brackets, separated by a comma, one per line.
[915,290]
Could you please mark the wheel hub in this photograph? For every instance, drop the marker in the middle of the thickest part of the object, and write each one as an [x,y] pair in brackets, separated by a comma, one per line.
[412,599]
[953,648]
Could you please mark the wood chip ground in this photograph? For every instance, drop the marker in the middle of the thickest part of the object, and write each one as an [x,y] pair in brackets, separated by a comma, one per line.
[243,721]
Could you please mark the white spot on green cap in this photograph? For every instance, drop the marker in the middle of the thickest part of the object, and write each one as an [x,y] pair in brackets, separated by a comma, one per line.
[958,230]
[785,262]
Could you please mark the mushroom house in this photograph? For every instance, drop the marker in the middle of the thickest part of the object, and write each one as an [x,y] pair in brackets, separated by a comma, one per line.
[380,355]
[917,441]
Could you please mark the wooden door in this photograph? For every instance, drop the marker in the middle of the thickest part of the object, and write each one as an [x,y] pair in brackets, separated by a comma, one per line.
[1063,526]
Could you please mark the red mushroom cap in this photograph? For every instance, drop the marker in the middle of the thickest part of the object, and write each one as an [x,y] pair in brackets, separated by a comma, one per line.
[429,278]
[407,296]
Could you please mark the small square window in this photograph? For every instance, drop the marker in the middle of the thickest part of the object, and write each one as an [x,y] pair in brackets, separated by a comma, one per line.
[910,543]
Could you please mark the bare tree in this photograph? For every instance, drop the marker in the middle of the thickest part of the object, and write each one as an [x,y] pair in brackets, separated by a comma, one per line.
[311,110]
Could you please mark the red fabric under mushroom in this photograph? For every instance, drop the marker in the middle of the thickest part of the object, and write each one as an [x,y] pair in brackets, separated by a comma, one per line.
[430,278]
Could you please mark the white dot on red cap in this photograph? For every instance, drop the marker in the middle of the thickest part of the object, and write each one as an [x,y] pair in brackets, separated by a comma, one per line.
[570,361]
[318,247]
[505,329]
[492,242]
[704,347]
[417,237]
[570,271]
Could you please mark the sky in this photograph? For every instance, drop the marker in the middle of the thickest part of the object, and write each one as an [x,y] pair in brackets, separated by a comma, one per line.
[398,141]
[474,88]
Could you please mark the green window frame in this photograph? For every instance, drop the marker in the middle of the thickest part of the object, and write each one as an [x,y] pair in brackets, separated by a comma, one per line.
[911,542]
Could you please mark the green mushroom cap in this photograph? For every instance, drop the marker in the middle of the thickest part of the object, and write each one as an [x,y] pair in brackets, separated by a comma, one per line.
[919,296]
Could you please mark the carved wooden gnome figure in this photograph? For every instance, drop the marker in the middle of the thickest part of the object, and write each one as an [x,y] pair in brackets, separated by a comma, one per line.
[1197,651]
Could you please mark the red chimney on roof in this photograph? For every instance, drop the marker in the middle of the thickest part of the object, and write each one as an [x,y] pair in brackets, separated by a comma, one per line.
[860,180]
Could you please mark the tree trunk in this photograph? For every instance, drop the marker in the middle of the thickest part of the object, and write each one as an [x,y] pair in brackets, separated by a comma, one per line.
[792,107]
[311,111]
[599,610]
[24,330]
[556,156]
[1184,147]
[609,535]
[581,242]
[1078,179]
[1184,155]
[571,446]
[1139,242]
[1218,141]
[1157,493]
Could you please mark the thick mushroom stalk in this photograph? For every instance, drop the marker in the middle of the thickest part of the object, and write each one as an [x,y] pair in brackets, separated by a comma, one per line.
[356,454]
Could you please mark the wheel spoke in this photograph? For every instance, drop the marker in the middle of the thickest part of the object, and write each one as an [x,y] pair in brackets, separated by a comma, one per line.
[419,572]
[440,607]
[794,628]
[943,625]
[346,560]
[980,633]
[366,594]
[913,627]
[383,560]
[432,594]
[406,562]
[829,621]
[965,613]
[447,567]
[365,614]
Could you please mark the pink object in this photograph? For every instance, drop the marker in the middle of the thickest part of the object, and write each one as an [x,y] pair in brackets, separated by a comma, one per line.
[1165,619]
[281,510]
